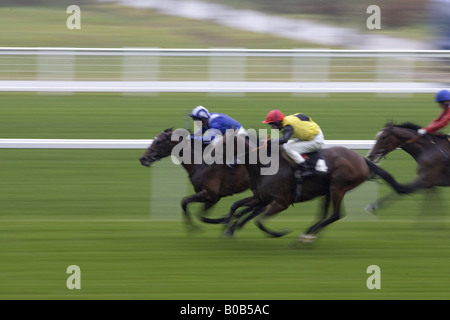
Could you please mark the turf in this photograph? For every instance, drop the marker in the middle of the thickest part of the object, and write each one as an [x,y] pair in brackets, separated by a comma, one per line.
[158,260]
[116,116]
[121,223]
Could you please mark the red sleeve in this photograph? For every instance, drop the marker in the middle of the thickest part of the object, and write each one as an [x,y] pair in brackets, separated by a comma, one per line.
[440,122]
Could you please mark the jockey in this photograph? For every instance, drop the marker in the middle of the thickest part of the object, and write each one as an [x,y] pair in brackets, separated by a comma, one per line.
[215,123]
[443,98]
[308,137]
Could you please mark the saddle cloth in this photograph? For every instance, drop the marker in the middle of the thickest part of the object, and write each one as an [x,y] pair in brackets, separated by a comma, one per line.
[315,160]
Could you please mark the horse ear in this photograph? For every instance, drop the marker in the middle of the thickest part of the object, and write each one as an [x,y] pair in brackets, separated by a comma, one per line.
[168,130]
[390,123]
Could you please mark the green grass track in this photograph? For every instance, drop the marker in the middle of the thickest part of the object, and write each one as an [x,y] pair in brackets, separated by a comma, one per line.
[142,259]
[121,223]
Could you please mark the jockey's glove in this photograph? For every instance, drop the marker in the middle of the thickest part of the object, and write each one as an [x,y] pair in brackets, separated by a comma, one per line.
[421,131]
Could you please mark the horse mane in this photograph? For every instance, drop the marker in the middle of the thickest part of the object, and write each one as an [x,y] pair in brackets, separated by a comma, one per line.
[415,127]
[408,125]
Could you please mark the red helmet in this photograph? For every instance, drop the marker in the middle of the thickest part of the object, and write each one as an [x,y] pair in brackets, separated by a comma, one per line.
[274,116]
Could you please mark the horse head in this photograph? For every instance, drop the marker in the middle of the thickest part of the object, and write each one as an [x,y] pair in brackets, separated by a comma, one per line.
[390,138]
[161,147]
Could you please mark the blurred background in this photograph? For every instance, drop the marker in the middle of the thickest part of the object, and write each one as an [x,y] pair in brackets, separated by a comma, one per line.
[405,24]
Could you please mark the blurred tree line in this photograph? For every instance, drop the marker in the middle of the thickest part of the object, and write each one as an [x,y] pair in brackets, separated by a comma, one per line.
[59,3]
[394,13]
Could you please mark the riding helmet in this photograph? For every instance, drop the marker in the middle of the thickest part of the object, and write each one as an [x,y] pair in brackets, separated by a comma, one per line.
[442,95]
[274,116]
[200,112]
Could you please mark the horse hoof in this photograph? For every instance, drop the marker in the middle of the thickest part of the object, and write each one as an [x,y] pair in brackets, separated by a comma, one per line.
[228,234]
[370,208]
[193,228]
[307,238]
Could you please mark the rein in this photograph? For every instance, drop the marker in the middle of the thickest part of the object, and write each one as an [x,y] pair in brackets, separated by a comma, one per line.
[413,139]
[264,146]
[440,150]
[416,137]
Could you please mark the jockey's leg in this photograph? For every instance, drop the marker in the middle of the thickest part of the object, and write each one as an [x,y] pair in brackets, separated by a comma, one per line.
[294,149]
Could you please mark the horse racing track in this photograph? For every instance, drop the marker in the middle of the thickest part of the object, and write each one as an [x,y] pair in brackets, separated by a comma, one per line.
[121,223]
[93,209]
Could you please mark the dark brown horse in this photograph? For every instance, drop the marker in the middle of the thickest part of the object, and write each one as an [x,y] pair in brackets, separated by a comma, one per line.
[431,152]
[273,194]
[210,182]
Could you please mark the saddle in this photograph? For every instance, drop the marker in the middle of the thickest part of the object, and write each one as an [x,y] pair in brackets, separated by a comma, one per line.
[315,160]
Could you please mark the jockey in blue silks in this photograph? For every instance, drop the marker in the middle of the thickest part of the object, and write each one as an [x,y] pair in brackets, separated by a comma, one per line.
[215,123]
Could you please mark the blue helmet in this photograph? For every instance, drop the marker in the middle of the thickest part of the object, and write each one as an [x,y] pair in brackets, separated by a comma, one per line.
[442,95]
[200,112]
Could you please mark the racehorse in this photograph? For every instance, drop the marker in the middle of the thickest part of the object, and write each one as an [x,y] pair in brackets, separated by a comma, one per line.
[274,193]
[210,182]
[431,152]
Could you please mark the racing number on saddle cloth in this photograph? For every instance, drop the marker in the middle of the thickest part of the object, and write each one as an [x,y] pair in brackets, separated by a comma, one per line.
[316,161]
[321,166]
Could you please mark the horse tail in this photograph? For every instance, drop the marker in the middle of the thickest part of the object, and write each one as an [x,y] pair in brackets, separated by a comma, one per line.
[386,177]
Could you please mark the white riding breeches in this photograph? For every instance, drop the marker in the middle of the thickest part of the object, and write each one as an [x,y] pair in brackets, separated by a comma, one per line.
[296,147]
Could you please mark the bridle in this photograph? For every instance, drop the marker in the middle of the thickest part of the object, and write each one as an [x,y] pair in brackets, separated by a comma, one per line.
[154,154]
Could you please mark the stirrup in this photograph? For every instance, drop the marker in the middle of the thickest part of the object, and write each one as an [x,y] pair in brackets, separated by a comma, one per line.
[303,171]
[298,189]
[298,174]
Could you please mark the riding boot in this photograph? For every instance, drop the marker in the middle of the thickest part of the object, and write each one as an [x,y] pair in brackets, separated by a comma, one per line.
[304,170]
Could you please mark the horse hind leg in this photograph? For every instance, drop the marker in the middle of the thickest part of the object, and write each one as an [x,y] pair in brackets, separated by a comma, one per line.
[309,237]
[273,209]
[336,198]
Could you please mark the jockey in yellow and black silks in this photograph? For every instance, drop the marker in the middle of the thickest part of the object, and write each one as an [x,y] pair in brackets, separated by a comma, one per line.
[305,133]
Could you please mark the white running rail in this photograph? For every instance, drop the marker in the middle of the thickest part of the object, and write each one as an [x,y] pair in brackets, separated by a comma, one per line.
[133,144]
[39,69]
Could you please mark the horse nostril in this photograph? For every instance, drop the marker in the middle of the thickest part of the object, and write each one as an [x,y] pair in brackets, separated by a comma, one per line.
[144,161]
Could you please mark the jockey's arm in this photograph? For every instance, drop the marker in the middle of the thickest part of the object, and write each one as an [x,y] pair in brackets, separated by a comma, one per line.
[211,134]
[440,122]
[287,134]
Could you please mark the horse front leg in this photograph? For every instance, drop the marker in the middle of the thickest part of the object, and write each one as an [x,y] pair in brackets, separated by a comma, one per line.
[206,208]
[249,202]
[274,208]
[238,224]
[382,202]
[201,196]
[421,182]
